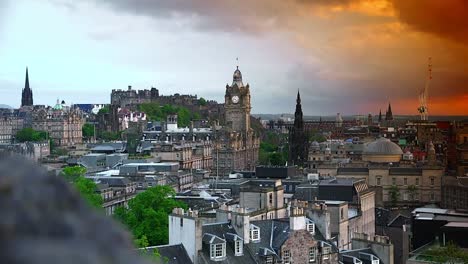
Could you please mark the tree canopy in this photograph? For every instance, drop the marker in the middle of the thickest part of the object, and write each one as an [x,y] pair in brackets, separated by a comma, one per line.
[155,112]
[273,150]
[86,187]
[88,130]
[147,215]
[202,101]
[29,134]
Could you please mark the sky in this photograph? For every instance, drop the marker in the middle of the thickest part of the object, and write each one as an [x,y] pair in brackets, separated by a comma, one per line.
[347,56]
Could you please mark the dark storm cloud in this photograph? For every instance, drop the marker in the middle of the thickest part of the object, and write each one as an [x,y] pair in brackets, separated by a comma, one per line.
[447,18]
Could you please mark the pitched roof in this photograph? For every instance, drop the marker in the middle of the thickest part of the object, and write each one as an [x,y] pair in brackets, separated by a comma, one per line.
[174,254]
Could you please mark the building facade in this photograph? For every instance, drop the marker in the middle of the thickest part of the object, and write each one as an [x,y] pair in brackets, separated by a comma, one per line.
[236,144]
[63,124]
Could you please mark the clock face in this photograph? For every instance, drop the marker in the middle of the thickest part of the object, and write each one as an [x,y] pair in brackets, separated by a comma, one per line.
[235,99]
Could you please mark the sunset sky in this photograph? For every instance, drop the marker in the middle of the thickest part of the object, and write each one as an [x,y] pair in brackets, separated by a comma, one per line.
[348,56]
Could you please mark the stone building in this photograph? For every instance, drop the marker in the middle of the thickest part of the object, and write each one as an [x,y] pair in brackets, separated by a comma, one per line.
[10,124]
[236,144]
[63,124]
[244,240]
[189,155]
[384,170]
[455,193]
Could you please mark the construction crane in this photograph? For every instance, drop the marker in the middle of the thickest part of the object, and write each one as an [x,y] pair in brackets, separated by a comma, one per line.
[424,93]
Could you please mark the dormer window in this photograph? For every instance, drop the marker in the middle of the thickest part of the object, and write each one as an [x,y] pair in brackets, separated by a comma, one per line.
[254,233]
[238,247]
[312,253]
[218,251]
[310,227]
[326,253]
[286,257]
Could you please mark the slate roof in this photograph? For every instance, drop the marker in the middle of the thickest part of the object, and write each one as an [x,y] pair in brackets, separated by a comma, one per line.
[174,254]
[365,255]
[114,181]
[224,231]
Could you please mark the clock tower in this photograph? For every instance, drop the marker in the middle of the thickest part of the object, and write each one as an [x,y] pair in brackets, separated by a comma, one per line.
[237,104]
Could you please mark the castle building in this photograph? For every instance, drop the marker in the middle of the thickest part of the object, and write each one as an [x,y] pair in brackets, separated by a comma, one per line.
[27,95]
[236,143]
[298,141]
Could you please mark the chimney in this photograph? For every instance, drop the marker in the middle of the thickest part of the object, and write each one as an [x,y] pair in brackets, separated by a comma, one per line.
[297,220]
[129,87]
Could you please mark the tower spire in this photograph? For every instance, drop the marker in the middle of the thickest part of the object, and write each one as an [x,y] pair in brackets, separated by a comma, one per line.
[26,83]
[27,95]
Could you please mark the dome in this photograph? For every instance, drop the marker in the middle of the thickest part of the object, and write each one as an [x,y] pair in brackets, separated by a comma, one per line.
[237,78]
[382,150]
[382,146]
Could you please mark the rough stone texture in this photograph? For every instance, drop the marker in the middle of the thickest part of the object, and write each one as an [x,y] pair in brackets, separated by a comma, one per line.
[43,220]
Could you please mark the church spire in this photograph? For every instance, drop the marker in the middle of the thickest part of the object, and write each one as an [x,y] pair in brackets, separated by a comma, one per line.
[27,96]
[380,115]
[26,83]
[298,113]
[389,114]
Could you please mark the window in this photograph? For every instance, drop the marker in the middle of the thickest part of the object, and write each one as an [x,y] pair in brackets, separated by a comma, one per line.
[379,181]
[405,181]
[312,255]
[254,233]
[326,252]
[393,181]
[342,213]
[311,227]
[417,181]
[432,196]
[269,260]
[432,180]
[405,196]
[218,251]
[286,257]
[271,198]
[238,248]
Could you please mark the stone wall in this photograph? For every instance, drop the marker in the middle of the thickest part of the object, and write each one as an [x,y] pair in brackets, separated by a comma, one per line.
[45,221]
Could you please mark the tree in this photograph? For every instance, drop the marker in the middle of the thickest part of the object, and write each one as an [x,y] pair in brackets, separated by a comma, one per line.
[147,214]
[451,253]
[87,190]
[277,159]
[412,191]
[183,117]
[394,194]
[86,187]
[104,110]
[202,101]
[88,130]
[29,134]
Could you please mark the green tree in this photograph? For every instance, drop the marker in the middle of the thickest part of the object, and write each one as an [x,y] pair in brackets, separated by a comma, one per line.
[183,117]
[86,187]
[109,136]
[202,101]
[104,110]
[88,130]
[29,134]
[147,214]
[277,159]
[451,253]
[394,194]
[412,191]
